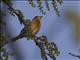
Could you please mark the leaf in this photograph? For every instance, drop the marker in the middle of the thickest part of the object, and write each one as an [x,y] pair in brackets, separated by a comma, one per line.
[60,1]
[47,5]
[32,3]
[55,7]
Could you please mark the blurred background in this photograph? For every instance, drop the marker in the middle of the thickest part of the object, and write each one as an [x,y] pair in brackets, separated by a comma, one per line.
[57,29]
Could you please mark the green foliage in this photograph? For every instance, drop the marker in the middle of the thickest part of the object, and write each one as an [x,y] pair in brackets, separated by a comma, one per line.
[59,1]
[2,34]
[43,44]
[47,5]
[31,3]
[55,7]
[5,54]
[3,50]
[40,7]
[2,40]
[39,2]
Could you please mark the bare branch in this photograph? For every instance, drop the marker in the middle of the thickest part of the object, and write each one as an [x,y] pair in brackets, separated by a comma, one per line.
[78,56]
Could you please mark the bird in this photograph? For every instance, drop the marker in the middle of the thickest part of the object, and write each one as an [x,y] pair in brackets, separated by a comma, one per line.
[74,18]
[35,25]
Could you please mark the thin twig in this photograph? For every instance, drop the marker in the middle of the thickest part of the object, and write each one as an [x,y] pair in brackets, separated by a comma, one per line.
[78,56]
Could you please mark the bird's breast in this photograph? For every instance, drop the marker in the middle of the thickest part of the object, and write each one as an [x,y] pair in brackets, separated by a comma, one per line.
[35,26]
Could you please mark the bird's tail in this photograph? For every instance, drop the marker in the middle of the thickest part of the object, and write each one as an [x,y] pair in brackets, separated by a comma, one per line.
[13,39]
[16,38]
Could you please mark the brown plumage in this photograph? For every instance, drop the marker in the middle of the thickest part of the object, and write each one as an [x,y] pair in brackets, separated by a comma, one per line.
[35,27]
[35,24]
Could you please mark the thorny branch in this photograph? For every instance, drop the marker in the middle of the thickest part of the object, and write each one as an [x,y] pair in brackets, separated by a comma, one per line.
[41,42]
[16,12]
[78,56]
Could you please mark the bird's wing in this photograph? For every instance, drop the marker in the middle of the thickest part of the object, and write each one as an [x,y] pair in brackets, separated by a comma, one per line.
[23,31]
[35,26]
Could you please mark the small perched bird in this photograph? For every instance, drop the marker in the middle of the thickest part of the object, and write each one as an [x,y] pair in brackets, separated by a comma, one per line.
[34,27]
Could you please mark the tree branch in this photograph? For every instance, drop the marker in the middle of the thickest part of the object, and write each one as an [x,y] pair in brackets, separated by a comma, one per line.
[78,56]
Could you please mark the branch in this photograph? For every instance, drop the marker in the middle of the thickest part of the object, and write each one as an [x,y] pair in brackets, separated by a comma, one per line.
[18,13]
[39,2]
[47,5]
[60,1]
[32,3]
[78,56]
[43,44]
[55,7]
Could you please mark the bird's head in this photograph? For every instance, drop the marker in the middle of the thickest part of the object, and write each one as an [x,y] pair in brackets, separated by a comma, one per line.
[27,21]
[38,17]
